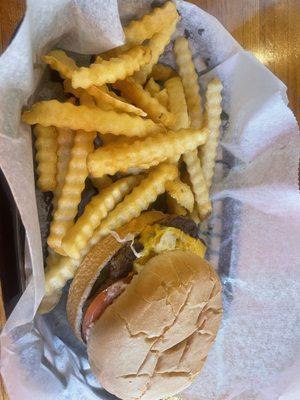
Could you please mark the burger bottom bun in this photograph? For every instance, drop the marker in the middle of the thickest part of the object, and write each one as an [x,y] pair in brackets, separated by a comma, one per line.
[154,339]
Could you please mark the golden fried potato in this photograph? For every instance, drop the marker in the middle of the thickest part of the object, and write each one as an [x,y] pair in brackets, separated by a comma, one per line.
[174,207]
[189,78]
[152,87]
[157,45]
[109,71]
[68,88]
[52,258]
[145,153]
[161,72]
[177,102]
[194,215]
[140,30]
[95,211]
[56,276]
[101,183]
[72,187]
[163,99]
[65,139]
[137,201]
[198,182]
[135,93]
[118,103]
[60,62]
[65,115]
[87,100]
[46,147]
[182,193]
[178,106]
[105,99]
[213,111]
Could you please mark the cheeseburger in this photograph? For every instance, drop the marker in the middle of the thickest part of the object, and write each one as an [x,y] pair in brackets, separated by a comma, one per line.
[148,306]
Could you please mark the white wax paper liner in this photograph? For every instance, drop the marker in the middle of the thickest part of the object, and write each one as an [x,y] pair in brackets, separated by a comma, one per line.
[253,234]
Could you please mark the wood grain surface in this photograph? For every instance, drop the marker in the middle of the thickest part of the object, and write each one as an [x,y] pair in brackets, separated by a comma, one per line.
[268,28]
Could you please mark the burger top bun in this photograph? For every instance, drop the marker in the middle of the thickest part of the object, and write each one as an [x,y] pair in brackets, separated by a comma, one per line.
[95,260]
[153,340]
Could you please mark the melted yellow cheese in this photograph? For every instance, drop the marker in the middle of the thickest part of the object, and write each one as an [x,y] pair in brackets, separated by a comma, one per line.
[157,239]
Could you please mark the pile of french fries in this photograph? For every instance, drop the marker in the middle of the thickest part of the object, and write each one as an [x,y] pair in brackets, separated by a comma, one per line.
[152,127]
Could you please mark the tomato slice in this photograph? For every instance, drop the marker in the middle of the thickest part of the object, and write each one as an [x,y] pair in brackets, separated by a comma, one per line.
[101,301]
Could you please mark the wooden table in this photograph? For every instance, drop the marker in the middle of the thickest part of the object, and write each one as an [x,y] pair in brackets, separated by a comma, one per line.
[268,28]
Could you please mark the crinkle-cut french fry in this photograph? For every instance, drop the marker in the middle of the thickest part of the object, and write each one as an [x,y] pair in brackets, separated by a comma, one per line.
[71,190]
[194,215]
[135,93]
[56,276]
[157,45]
[68,88]
[101,183]
[65,139]
[114,101]
[64,269]
[174,159]
[138,31]
[189,78]
[74,183]
[109,137]
[137,201]
[96,210]
[86,95]
[49,302]
[99,59]
[198,182]
[52,258]
[145,153]
[135,171]
[152,87]
[87,100]
[182,193]
[46,147]
[163,98]
[112,53]
[112,70]
[213,111]
[66,66]
[65,115]
[104,88]
[174,207]
[60,62]
[177,102]
[161,72]
[105,106]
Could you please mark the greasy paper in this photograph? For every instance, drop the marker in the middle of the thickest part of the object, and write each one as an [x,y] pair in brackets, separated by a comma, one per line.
[253,233]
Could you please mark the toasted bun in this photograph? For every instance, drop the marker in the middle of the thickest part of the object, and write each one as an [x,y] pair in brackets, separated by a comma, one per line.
[93,263]
[154,338]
